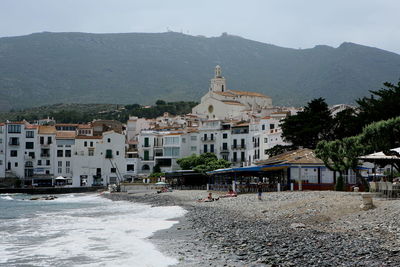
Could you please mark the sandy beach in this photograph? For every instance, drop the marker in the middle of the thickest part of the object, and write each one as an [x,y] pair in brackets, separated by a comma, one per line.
[315,228]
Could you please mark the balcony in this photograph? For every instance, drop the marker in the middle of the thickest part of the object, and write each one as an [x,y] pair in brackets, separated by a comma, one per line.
[44,155]
[45,145]
[26,157]
[239,146]
[13,143]
[206,139]
[224,150]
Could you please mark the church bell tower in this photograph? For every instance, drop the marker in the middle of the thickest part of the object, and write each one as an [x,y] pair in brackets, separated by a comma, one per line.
[218,83]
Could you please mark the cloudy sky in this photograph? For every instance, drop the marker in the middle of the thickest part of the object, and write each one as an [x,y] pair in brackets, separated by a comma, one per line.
[289,23]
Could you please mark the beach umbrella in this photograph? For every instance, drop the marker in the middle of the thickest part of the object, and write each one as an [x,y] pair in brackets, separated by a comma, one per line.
[60,178]
[161,183]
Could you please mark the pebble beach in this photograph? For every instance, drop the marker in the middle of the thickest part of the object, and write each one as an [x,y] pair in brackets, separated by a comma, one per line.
[310,228]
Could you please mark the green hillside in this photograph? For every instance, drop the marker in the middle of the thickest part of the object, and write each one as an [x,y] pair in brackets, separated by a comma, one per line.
[48,68]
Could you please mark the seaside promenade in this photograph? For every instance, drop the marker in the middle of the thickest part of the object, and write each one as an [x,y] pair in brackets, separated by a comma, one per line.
[315,228]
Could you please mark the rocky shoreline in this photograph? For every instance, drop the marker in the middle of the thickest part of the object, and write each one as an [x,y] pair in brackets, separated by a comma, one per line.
[284,229]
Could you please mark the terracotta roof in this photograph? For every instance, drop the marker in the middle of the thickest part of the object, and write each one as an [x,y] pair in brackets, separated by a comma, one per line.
[44,129]
[84,126]
[87,137]
[230,94]
[299,156]
[266,118]
[65,135]
[30,126]
[15,122]
[245,93]
[228,102]
[174,134]
[66,124]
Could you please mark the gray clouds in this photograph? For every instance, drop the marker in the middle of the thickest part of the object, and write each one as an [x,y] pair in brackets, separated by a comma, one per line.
[289,23]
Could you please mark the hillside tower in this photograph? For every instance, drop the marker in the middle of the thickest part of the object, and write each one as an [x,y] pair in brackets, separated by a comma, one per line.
[218,83]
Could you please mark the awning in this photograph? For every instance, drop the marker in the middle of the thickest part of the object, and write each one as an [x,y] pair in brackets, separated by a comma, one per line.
[259,168]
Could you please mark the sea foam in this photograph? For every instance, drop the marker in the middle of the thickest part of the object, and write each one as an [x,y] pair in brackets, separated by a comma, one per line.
[98,233]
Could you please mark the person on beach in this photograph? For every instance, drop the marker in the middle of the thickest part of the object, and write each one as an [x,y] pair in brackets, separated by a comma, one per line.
[259,190]
[209,198]
[230,193]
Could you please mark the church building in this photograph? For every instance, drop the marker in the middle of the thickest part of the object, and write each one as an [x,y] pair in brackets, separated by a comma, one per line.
[221,103]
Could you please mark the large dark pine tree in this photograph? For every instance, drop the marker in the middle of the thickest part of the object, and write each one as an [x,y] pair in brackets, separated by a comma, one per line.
[310,126]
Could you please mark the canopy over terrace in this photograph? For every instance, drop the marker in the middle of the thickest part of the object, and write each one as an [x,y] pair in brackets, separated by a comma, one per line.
[382,159]
[301,164]
[247,177]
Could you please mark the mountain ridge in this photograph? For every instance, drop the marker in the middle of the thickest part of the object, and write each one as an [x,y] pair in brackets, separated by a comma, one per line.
[125,68]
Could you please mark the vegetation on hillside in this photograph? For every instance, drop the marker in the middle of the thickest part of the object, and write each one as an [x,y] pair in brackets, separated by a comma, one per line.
[82,113]
[49,68]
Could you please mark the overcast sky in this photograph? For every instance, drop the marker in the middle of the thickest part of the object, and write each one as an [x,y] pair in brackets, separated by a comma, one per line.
[289,23]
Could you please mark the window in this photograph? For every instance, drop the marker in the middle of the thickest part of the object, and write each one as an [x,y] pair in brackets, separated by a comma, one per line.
[59,164]
[113,170]
[130,167]
[242,156]
[171,151]
[31,154]
[117,152]
[41,140]
[224,146]
[13,153]
[193,138]
[109,140]
[234,156]
[145,167]
[91,143]
[263,127]
[49,140]
[212,148]
[234,143]
[212,137]
[16,164]
[13,128]
[193,148]
[171,140]
[146,142]
[265,140]
[39,162]
[68,153]
[272,126]
[29,145]
[205,149]
[91,152]
[183,140]
[108,154]
[68,163]
[242,143]
[265,151]
[224,135]
[48,162]
[85,144]
[60,153]
[14,141]
[1,162]
[1,140]
[29,134]
[59,170]
[205,137]
[67,170]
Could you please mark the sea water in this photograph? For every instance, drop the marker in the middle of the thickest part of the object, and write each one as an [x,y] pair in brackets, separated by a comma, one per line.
[81,230]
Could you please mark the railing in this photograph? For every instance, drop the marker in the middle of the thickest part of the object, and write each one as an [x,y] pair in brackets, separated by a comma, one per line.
[224,150]
[239,147]
[206,139]
[13,143]
[44,155]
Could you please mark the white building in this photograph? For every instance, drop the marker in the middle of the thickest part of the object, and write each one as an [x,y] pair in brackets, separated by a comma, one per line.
[221,103]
